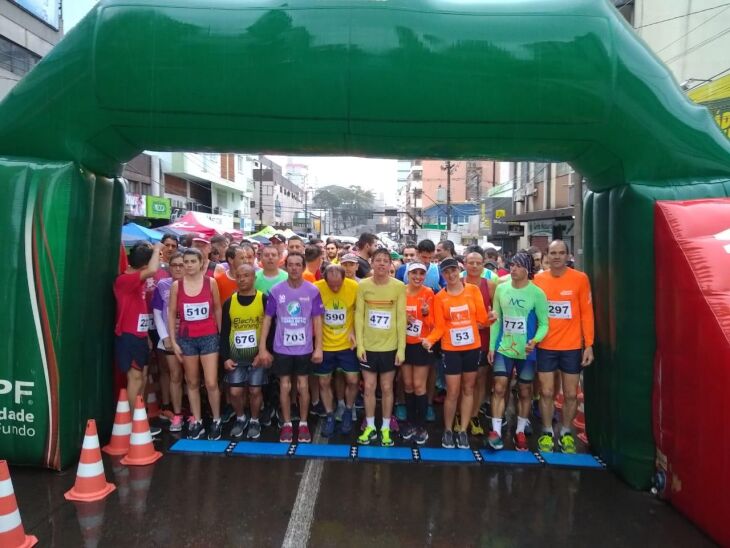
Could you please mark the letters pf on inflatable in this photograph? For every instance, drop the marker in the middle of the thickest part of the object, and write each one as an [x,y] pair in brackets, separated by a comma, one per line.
[548,80]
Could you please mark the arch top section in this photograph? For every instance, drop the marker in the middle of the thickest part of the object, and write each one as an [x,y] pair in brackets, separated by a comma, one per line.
[545,80]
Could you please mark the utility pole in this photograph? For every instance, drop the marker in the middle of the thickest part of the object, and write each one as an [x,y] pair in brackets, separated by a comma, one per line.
[448,168]
[261,191]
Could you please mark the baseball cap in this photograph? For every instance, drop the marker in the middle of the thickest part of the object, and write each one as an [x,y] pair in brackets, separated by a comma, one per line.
[416,266]
[277,238]
[395,255]
[349,258]
[448,263]
[199,239]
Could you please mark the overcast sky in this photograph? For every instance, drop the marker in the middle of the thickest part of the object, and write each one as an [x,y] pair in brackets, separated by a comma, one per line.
[376,175]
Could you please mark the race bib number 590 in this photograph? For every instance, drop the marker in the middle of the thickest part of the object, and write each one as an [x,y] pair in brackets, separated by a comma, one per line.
[379,319]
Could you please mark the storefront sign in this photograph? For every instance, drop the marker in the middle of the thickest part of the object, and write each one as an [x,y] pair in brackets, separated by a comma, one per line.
[158,208]
[541,228]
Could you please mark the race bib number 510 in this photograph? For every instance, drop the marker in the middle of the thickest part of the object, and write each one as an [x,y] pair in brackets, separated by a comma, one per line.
[379,319]
[195,312]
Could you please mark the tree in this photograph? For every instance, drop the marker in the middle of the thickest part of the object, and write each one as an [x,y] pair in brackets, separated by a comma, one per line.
[347,205]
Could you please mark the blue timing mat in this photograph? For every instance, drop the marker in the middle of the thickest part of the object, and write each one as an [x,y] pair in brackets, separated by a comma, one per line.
[508,457]
[323,451]
[439,454]
[261,449]
[373,452]
[200,446]
[579,460]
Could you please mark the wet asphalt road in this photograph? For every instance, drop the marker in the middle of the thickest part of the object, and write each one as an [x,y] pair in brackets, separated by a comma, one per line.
[196,500]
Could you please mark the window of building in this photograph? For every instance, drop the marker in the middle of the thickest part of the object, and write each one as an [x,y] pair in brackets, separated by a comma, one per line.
[15,58]
[241,164]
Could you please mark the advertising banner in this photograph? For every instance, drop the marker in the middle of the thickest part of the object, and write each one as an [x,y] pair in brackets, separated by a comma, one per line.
[46,10]
[58,325]
[158,208]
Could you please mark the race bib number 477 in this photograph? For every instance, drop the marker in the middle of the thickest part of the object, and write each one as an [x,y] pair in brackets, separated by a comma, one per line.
[379,319]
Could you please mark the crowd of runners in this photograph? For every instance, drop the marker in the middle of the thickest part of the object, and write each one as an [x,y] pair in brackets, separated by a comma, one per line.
[270,335]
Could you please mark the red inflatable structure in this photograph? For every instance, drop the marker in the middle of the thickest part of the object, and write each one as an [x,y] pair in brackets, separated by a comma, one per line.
[692,369]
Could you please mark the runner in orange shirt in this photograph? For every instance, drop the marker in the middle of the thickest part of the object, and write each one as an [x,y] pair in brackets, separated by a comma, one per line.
[459,313]
[568,346]
[418,362]
[226,279]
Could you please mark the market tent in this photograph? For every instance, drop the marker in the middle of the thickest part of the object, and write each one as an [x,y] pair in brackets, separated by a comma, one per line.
[132,233]
[195,223]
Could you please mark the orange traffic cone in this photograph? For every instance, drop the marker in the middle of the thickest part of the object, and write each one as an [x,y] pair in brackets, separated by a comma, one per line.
[91,482]
[12,533]
[119,443]
[153,408]
[141,450]
[91,521]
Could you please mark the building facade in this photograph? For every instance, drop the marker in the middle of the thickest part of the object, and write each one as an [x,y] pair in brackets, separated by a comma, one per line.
[276,200]
[28,31]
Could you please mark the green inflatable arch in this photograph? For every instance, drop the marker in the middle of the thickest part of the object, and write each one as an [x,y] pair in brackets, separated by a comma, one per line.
[545,80]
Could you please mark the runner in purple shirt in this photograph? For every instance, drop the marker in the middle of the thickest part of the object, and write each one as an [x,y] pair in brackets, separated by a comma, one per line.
[297,306]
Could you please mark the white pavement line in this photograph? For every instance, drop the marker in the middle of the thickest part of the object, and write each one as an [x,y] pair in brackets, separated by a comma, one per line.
[300,522]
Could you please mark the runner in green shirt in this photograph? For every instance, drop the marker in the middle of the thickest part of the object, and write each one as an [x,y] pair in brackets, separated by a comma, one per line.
[522,321]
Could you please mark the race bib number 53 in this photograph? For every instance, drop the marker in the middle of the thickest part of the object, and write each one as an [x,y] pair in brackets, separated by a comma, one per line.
[379,319]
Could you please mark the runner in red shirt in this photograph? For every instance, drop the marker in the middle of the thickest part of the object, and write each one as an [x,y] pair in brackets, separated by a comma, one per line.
[133,320]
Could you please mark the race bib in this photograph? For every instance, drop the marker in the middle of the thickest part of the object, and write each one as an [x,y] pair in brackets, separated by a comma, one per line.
[379,319]
[514,326]
[335,317]
[462,336]
[561,310]
[144,322]
[195,312]
[414,328]
[295,337]
[245,339]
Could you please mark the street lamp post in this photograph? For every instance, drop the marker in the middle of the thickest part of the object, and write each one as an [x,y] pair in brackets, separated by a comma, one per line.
[448,167]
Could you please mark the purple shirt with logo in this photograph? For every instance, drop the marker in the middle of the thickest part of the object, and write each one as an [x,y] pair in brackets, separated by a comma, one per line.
[294,310]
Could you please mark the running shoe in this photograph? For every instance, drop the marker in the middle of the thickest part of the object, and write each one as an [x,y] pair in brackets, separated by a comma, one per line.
[195,429]
[155,431]
[267,415]
[176,424]
[567,443]
[421,436]
[286,434]
[318,409]
[339,411]
[408,431]
[447,440]
[368,435]
[329,426]
[216,429]
[359,401]
[385,439]
[475,426]
[462,440]
[495,441]
[254,430]
[394,426]
[228,414]
[484,409]
[528,428]
[430,414]
[521,441]
[346,426]
[304,436]
[545,442]
[400,412]
[166,413]
[240,427]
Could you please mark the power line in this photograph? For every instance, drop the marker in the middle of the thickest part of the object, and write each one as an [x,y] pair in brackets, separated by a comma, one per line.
[680,16]
[692,30]
[698,46]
